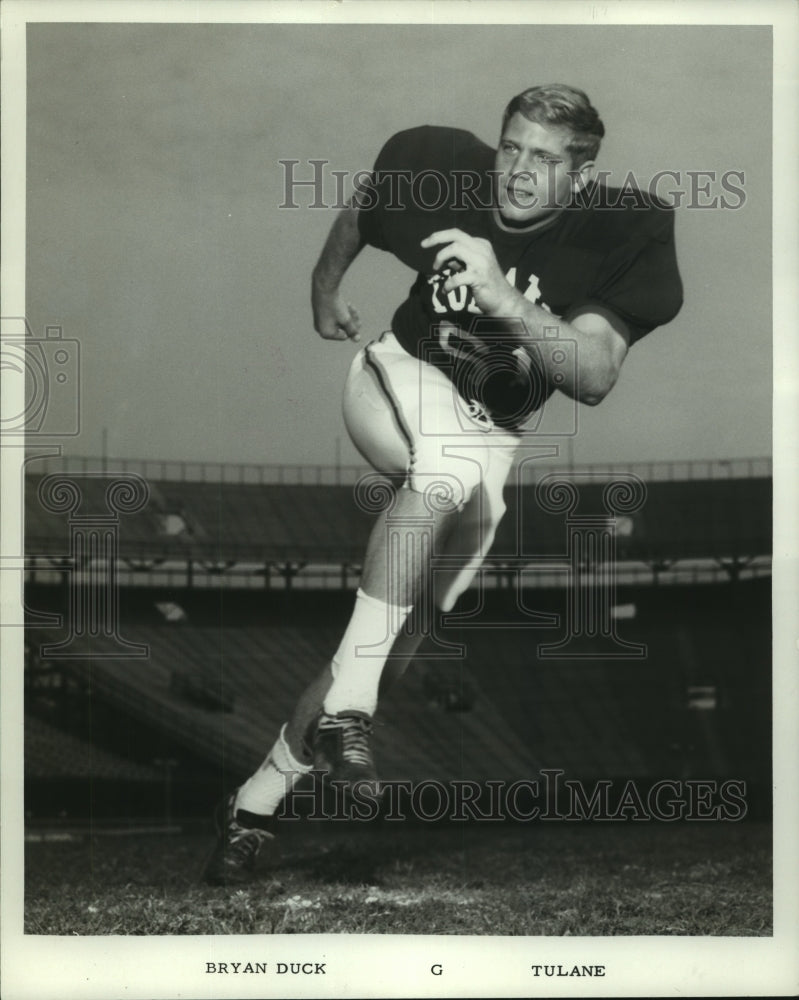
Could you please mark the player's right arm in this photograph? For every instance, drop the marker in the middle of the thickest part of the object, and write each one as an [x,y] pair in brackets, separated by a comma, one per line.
[370,219]
[335,319]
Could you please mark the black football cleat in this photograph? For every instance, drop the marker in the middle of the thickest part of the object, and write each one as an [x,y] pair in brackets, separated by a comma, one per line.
[341,745]
[234,859]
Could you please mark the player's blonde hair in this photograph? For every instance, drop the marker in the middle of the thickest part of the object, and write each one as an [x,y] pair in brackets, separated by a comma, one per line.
[560,104]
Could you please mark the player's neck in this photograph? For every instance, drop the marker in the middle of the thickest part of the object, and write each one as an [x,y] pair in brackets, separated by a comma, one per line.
[544,222]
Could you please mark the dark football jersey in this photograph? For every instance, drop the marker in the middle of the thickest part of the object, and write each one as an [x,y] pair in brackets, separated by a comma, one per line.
[607,248]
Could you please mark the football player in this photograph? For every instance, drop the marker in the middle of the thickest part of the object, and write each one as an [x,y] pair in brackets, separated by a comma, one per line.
[515,249]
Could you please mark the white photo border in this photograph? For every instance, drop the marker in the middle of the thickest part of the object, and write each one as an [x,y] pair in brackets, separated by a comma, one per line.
[384,966]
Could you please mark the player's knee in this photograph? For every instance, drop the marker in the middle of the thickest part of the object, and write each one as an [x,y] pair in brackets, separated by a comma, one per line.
[441,492]
[448,481]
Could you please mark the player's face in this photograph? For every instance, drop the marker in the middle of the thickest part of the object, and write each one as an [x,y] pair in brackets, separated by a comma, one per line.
[533,166]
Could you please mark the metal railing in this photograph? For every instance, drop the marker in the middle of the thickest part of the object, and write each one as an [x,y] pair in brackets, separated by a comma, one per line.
[166,470]
[664,471]
[176,471]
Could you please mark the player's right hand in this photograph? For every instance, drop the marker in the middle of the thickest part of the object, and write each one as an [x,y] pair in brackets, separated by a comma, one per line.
[333,318]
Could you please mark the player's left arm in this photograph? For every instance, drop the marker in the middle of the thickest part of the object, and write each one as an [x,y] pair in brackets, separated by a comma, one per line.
[602,340]
[601,337]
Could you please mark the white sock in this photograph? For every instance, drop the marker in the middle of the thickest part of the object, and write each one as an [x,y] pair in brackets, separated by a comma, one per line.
[265,790]
[360,658]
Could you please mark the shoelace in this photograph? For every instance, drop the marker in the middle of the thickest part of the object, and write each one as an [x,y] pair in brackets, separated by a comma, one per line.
[355,735]
[245,844]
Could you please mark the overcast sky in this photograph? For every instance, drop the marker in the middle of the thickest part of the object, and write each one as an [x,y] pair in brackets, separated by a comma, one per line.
[155,235]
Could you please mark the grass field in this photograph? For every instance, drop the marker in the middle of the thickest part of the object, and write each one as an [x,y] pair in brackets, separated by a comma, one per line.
[539,879]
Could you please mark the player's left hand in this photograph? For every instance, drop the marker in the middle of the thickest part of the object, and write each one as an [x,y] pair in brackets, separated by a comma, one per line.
[481,271]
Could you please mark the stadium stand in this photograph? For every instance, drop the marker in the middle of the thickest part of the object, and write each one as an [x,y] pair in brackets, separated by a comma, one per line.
[724,518]
[52,753]
[592,718]
[220,520]
[224,666]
